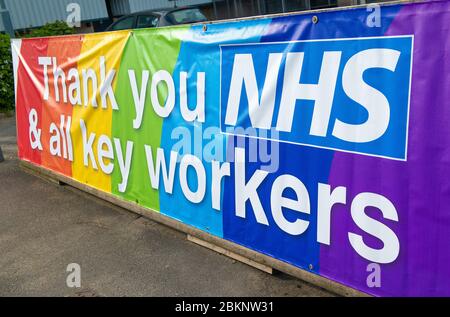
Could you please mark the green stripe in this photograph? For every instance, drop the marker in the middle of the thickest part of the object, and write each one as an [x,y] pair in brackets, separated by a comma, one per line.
[153,50]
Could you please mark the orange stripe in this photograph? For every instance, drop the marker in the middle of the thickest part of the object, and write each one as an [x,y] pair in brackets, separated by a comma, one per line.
[66,50]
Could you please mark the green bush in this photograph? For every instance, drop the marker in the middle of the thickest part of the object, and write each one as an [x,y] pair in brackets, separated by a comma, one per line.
[6,75]
[6,69]
[51,29]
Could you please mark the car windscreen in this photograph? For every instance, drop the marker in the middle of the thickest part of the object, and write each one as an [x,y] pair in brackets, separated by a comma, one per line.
[146,21]
[186,16]
[123,24]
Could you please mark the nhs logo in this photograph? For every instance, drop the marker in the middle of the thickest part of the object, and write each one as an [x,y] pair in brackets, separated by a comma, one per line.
[350,95]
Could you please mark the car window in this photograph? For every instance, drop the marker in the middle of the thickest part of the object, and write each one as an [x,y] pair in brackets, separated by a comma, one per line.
[186,16]
[124,24]
[146,21]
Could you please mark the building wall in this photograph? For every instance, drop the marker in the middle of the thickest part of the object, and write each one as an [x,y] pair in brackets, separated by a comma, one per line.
[120,7]
[123,7]
[34,13]
[2,27]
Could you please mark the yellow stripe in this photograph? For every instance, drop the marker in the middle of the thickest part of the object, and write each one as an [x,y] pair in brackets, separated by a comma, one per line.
[97,120]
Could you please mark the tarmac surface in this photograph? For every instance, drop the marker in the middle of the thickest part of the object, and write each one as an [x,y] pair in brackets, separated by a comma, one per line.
[44,227]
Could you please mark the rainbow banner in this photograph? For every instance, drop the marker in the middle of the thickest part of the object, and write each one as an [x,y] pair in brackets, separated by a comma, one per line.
[319,139]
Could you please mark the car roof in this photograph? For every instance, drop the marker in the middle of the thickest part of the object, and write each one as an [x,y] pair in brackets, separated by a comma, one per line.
[145,12]
[164,11]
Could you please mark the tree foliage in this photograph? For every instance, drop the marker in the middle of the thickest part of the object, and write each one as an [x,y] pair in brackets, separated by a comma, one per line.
[6,68]
[6,75]
[51,29]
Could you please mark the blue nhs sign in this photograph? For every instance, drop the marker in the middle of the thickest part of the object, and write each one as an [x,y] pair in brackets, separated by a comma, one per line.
[349,95]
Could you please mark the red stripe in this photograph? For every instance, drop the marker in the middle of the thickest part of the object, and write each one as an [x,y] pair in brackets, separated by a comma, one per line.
[29,95]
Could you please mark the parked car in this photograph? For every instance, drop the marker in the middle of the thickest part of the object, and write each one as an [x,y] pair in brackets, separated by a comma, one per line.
[149,19]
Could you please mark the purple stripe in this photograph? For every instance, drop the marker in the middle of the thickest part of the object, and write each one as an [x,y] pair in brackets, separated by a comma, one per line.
[419,188]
